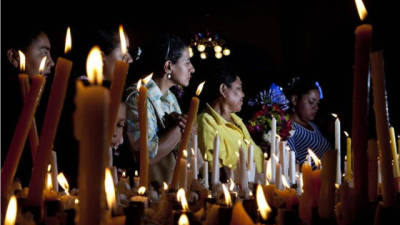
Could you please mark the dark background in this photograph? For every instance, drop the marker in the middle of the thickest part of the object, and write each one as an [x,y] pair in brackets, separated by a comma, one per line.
[270,41]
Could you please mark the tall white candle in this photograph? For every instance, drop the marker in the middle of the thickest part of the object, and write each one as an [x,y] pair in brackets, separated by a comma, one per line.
[273,135]
[205,172]
[215,172]
[54,170]
[337,147]
[292,159]
[194,162]
[278,177]
[250,163]
[244,182]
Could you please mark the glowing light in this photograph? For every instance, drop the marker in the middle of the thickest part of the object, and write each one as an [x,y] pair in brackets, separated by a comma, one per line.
[21,61]
[362,11]
[94,66]
[63,182]
[122,38]
[68,41]
[109,187]
[262,203]
[226,52]
[181,197]
[11,213]
[42,64]
[200,88]
[228,200]
[142,190]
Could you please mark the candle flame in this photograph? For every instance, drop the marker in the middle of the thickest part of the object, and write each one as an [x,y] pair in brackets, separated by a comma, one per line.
[205,156]
[183,220]
[68,41]
[345,133]
[148,78]
[11,213]
[42,64]
[228,200]
[284,182]
[142,190]
[181,197]
[94,66]
[232,185]
[314,158]
[124,49]
[123,174]
[250,193]
[188,165]
[21,61]
[200,88]
[275,157]
[109,186]
[136,173]
[265,155]
[185,153]
[362,11]
[139,84]
[49,182]
[262,203]
[49,167]
[192,151]
[334,115]
[76,201]
[337,185]
[165,186]
[63,182]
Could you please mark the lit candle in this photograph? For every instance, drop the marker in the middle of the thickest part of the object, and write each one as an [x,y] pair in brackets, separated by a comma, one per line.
[338,150]
[144,153]
[49,129]
[306,199]
[394,152]
[292,160]
[240,216]
[382,129]
[182,163]
[205,172]
[24,85]
[136,180]
[90,127]
[265,167]
[135,210]
[117,85]
[363,35]
[11,213]
[24,124]
[273,136]
[49,193]
[194,106]
[251,166]
[194,162]
[349,175]
[215,172]
[243,176]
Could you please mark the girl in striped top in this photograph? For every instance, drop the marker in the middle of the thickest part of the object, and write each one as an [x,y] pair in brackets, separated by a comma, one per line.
[304,97]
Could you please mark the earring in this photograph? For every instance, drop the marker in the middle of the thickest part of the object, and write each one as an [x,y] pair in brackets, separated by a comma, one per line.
[169,75]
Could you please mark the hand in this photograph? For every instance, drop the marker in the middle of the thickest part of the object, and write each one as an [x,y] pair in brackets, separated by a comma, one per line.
[182,122]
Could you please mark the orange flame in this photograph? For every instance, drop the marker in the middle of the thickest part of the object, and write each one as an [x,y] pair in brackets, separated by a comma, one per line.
[345,133]
[109,187]
[181,197]
[185,153]
[63,182]
[11,213]
[200,88]
[42,64]
[68,41]
[362,11]
[21,61]
[141,190]
[94,66]
[314,157]
[262,203]
[148,78]
[136,173]
[183,220]
[124,49]
[165,186]
[334,115]
[228,200]
[49,182]
[284,182]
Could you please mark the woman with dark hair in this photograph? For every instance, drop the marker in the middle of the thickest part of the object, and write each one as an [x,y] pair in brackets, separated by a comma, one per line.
[305,95]
[224,95]
[168,59]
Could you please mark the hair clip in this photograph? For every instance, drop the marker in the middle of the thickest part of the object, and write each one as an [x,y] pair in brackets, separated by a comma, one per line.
[138,53]
[321,96]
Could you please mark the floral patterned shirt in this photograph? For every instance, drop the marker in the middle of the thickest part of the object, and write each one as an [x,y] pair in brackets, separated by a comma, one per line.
[157,106]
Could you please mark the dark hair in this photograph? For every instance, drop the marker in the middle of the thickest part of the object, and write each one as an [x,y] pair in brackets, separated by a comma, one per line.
[300,86]
[220,75]
[22,40]
[106,37]
[156,52]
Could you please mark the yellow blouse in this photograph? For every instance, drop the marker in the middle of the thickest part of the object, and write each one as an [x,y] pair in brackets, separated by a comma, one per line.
[209,122]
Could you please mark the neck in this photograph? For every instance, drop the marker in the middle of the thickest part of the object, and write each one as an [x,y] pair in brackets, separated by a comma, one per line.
[300,121]
[222,109]
[163,83]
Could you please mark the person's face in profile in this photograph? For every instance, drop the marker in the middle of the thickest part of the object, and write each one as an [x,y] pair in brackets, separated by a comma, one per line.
[307,105]
[182,69]
[39,48]
[234,95]
[116,54]
[117,137]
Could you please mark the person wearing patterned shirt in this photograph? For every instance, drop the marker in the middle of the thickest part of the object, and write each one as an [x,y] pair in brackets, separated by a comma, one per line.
[169,60]
[305,95]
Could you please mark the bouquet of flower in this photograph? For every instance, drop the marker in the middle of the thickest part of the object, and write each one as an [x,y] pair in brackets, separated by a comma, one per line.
[271,104]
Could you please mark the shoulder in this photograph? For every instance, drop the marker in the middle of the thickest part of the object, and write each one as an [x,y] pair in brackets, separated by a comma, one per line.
[206,117]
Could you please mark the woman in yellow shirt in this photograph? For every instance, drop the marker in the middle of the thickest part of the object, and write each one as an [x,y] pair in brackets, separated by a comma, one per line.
[224,97]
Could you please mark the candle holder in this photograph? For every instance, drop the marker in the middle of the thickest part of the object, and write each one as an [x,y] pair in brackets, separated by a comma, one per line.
[134,213]
[250,205]
[224,215]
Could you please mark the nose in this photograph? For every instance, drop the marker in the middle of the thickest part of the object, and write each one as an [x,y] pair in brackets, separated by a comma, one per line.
[192,70]
[50,62]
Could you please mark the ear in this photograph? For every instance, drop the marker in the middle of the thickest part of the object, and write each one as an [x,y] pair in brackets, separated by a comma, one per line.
[222,90]
[293,100]
[168,66]
[13,57]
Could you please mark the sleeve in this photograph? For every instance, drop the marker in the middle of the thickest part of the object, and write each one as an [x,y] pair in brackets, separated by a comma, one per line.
[206,134]
[133,130]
